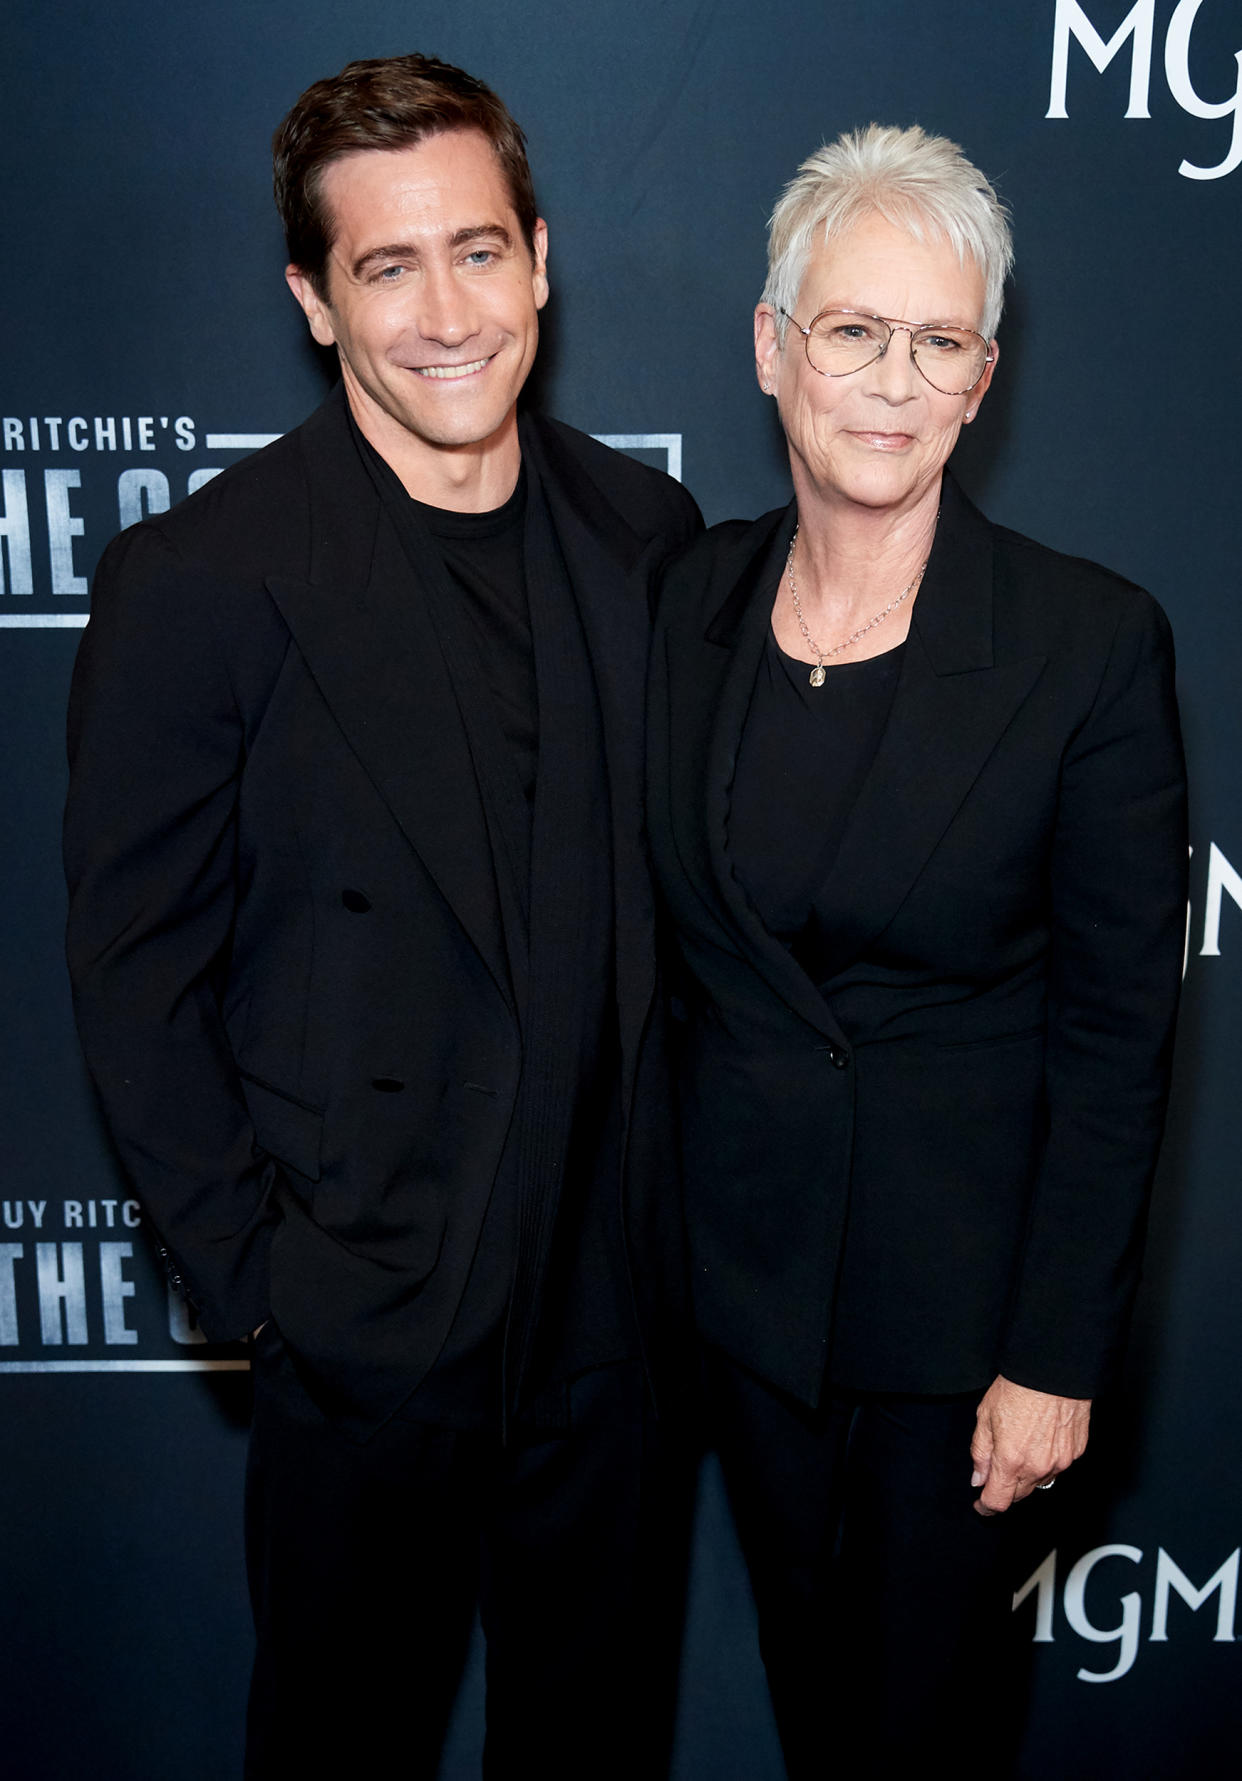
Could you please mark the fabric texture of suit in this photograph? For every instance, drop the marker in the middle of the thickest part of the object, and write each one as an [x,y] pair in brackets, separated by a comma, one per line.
[926,1159]
[286,935]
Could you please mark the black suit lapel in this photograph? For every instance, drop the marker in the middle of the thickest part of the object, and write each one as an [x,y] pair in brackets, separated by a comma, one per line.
[364,626]
[951,707]
[711,678]
[604,559]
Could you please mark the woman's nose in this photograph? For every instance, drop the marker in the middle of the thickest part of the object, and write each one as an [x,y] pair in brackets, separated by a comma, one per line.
[896,374]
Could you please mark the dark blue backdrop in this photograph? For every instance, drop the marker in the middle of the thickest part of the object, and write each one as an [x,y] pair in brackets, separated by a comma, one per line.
[146,305]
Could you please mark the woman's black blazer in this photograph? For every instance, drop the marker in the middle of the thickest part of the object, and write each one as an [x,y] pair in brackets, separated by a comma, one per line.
[933,1164]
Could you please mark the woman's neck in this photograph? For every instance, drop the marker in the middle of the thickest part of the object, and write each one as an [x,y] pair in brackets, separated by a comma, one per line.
[851,556]
[849,563]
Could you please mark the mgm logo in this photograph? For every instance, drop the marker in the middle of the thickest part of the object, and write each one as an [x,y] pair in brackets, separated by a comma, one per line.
[1138,29]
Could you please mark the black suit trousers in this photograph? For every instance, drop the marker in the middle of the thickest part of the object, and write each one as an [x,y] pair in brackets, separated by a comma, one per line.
[367,1560]
[883,1598]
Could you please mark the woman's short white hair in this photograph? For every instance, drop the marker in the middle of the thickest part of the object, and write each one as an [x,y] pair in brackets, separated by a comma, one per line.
[923,184]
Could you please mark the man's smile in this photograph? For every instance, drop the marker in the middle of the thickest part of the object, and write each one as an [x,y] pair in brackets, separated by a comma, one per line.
[450,370]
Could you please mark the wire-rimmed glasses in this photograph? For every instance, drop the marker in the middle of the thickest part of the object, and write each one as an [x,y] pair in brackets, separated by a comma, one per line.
[841,341]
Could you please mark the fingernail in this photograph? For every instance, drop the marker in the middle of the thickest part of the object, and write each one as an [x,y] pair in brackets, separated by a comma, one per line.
[976,1479]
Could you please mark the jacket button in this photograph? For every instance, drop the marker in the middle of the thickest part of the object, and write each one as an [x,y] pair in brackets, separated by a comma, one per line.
[838,1057]
[355,901]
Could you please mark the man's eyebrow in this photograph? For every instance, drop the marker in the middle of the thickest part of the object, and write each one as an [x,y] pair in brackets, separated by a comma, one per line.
[479,231]
[412,250]
[393,250]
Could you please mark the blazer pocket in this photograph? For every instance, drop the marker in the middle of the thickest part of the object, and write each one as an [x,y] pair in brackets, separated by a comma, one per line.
[288,1129]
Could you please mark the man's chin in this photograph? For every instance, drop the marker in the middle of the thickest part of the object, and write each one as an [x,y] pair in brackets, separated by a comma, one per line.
[458,433]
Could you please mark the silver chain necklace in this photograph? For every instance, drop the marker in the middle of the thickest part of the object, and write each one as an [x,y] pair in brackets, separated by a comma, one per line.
[818,674]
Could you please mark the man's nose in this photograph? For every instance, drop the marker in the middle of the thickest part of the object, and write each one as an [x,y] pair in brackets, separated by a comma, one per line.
[445,313]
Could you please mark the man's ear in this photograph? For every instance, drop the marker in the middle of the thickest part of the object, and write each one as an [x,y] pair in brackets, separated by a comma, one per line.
[316,309]
[540,256]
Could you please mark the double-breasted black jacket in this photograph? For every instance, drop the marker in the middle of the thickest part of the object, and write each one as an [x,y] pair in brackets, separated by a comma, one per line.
[931,1164]
[285,940]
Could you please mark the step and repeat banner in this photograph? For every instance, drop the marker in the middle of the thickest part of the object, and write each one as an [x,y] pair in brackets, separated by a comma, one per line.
[149,341]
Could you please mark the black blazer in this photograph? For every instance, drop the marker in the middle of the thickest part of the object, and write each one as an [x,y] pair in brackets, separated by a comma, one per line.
[933,1165]
[285,941]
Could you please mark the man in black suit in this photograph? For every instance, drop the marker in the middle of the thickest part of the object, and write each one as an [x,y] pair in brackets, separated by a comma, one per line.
[361,937]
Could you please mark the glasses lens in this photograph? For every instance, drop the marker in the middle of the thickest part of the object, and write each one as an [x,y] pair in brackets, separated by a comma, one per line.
[841,341]
[951,359]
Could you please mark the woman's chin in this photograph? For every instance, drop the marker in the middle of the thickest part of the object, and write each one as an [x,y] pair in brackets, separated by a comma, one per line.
[883,481]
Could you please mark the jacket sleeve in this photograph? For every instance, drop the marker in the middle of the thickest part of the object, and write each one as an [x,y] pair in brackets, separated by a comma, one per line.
[1118,885]
[156,744]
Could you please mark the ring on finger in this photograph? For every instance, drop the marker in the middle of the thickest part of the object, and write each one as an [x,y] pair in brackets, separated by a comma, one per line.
[1047,1483]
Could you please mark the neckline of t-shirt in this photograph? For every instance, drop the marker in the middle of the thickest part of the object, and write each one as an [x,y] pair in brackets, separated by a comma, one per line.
[448,522]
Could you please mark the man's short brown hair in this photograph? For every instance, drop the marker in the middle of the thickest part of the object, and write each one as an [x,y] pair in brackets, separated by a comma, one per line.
[391,102]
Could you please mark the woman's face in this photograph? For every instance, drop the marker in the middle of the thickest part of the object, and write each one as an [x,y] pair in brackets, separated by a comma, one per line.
[880,437]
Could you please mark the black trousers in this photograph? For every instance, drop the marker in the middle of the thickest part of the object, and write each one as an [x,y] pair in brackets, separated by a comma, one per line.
[883,1598]
[366,1563]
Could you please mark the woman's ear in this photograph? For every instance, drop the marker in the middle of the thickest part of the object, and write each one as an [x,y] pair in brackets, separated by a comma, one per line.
[767,348]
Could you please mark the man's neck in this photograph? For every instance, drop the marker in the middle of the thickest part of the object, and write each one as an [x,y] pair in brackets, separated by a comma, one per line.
[474,478]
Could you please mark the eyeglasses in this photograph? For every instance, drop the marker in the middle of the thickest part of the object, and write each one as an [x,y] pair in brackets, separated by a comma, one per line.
[841,341]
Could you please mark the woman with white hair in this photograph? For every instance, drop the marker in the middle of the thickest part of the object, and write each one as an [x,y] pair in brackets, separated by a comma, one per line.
[917,805]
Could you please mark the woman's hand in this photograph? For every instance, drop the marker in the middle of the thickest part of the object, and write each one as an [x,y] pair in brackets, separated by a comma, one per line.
[1023,1438]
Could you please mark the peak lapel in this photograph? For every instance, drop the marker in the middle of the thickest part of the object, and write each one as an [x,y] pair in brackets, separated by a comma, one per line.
[951,707]
[711,671]
[604,557]
[365,628]
[712,676]
[605,562]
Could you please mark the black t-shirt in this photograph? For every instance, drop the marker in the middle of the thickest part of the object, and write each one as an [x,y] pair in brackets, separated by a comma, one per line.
[803,756]
[485,559]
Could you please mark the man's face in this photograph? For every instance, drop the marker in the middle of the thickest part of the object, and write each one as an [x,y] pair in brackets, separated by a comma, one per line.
[432,296]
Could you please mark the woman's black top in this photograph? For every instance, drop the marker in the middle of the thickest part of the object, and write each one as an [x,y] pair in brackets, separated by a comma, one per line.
[803,756]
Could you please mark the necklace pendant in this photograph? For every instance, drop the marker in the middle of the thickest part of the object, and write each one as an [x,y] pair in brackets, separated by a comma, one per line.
[818,674]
